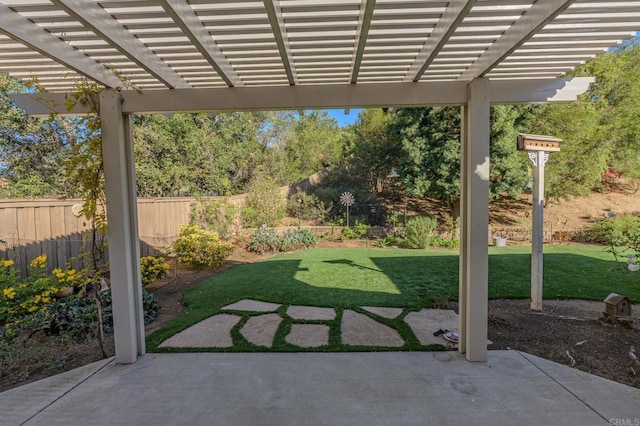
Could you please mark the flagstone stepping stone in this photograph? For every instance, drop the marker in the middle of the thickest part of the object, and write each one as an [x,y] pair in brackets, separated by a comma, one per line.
[252,306]
[390,313]
[308,335]
[213,332]
[361,330]
[427,321]
[311,313]
[260,330]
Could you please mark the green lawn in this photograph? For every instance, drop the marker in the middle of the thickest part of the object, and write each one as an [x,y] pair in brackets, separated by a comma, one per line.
[348,278]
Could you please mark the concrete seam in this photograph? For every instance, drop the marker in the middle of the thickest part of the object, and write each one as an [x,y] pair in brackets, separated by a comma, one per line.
[564,387]
[67,392]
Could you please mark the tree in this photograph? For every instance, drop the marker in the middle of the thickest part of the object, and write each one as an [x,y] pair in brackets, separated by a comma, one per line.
[32,150]
[430,158]
[508,169]
[430,161]
[600,130]
[297,145]
[196,153]
[371,149]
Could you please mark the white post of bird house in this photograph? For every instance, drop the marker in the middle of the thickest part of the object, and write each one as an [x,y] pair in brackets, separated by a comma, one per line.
[538,148]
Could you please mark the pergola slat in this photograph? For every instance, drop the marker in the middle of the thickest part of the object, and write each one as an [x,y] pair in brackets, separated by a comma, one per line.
[190,24]
[522,30]
[279,32]
[364,22]
[101,22]
[447,24]
[20,28]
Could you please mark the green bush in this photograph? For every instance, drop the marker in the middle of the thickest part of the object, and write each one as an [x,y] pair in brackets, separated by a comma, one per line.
[149,307]
[621,234]
[618,231]
[152,269]
[358,230]
[267,240]
[308,207]
[22,297]
[264,204]
[419,231]
[297,239]
[201,248]
[217,215]
[438,241]
[76,316]
[264,240]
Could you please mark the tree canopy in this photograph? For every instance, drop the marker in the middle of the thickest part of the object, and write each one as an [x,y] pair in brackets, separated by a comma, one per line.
[600,131]
[217,154]
[423,145]
[32,150]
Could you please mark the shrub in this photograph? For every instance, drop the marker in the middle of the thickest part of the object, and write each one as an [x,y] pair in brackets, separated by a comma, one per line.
[149,307]
[358,230]
[20,298]
[216,215]
[297,239]
[152,269]
[418,231]
[201,248]
[308,207]
[267,240]
[438,241]
[390,241]
[617,231]
[264,204]
[264,240]
[76,316]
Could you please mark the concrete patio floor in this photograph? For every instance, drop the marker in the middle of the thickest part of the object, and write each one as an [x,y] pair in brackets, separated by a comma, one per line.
[384,388]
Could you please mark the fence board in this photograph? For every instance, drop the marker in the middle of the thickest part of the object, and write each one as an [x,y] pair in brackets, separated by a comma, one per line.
[32,227]
[58,233]
[47,226]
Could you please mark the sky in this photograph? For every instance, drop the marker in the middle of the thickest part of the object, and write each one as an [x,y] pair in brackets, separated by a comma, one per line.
[342,118]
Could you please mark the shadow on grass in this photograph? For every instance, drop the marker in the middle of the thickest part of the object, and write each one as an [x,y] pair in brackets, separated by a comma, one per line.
[382,278]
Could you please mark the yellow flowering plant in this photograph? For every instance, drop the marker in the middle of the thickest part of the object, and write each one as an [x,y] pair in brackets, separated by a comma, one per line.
[201,248]
[22,297]
[7,274]
[152,268]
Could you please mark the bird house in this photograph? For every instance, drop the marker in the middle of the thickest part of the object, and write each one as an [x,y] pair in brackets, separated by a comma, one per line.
[617,307]
[538,143]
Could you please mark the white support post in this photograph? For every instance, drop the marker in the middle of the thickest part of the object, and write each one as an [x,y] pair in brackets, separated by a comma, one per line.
[464,243]
[126,291]
[538,158]
[474,252]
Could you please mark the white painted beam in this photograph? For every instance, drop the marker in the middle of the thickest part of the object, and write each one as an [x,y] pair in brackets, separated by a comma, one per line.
[119,171]
[474,254]
[185,18]
[310,97]
[439,36]
[539,91]
[22,29]
[274,12]
[98,20]
[362,32]
[534,19]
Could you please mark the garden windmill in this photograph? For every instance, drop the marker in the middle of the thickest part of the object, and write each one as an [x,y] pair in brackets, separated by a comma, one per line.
[347,200]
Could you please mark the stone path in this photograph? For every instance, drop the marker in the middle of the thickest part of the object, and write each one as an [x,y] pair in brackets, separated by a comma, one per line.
[310,326]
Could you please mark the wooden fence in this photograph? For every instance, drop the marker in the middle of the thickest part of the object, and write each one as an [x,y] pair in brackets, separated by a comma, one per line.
[29,228]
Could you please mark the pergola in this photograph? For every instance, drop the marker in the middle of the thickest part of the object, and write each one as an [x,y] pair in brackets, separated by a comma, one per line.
[222,55]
